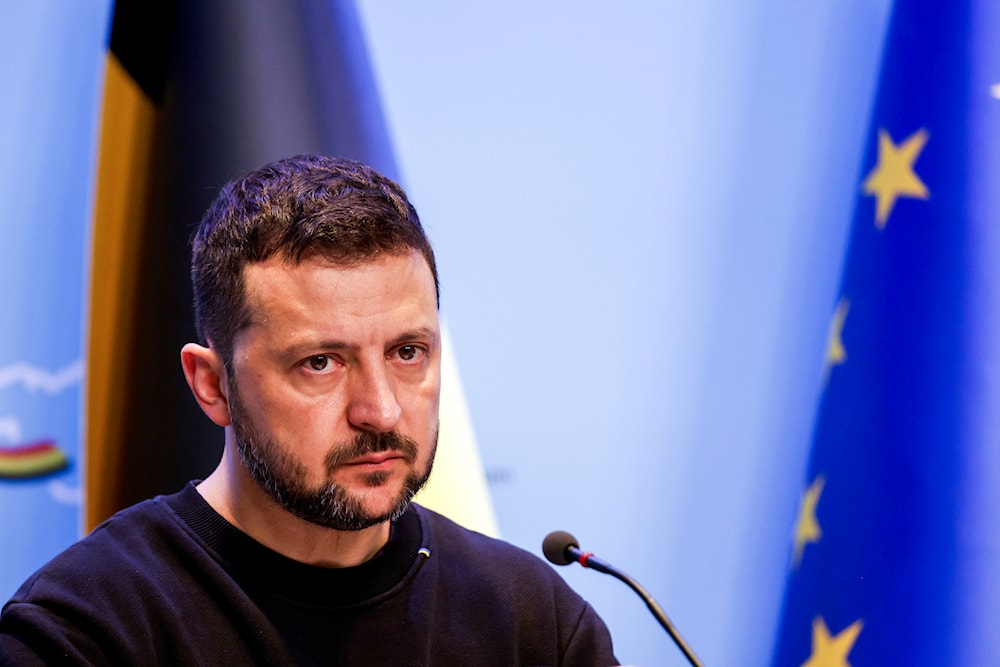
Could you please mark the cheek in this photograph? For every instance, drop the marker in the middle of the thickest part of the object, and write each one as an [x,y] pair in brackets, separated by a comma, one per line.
[434,419]
[308,426]
[426,402]
[315,425]
[420,405]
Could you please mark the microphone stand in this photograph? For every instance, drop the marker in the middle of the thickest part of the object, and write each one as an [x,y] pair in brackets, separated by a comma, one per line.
[561,548]
[594,563]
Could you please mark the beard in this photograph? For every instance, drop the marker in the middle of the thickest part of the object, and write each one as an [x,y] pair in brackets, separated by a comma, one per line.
[273,466]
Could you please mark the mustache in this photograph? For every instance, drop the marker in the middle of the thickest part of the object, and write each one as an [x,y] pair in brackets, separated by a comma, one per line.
[367,442]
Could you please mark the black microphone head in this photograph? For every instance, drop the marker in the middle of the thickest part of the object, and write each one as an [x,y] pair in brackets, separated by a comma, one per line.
[555,547]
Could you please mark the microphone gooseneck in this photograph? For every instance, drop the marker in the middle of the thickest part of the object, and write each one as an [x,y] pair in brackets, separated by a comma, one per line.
[561,548]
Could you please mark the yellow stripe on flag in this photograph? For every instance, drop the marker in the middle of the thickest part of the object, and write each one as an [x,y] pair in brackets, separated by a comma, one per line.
[123,183]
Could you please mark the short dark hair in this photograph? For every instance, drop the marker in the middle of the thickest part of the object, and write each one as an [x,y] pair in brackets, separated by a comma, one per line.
[299,207]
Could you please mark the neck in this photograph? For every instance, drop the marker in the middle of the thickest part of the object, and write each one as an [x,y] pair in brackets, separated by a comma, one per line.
[234,494]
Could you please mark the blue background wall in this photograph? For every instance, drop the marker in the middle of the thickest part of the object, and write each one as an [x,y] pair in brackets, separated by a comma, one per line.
[640,214]
[51,67]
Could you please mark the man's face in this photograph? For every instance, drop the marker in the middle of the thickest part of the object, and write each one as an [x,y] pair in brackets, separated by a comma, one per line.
[334,387]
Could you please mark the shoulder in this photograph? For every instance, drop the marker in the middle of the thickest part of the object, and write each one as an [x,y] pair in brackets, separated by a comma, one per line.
[85,593]
[143,588]
[142,551]
[494,568]
[455,541]
[528,600]
[126,557]
[122,538]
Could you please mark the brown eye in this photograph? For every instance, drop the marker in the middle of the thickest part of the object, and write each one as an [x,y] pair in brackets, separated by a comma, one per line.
[408,352]
[319,362]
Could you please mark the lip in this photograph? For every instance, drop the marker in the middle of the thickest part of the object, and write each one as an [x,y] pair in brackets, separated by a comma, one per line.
[375,461]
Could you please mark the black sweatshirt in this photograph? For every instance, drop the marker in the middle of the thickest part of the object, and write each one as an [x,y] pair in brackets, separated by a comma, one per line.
[170,582]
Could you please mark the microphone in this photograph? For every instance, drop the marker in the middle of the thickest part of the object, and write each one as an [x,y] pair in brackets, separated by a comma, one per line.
[561,548]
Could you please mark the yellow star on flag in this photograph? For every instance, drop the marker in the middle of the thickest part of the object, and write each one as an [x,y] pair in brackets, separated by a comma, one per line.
[836,353]
[807,530]
[893,176]
[830,651]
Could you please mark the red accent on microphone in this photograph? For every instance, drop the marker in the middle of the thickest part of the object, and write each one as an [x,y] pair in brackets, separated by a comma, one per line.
[585,557]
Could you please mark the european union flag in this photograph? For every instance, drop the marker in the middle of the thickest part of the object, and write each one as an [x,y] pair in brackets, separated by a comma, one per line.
[896,557]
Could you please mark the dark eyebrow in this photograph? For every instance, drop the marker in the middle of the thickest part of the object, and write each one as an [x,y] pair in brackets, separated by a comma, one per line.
[419,334]
[423,333]
[299,350]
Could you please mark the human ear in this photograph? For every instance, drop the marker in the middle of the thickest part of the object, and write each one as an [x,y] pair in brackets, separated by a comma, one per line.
[206,375]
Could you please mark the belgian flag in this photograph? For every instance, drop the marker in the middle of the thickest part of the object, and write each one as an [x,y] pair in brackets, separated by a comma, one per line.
[198,92]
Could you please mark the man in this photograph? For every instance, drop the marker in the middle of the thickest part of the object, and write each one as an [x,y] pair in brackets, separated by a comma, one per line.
[316,302]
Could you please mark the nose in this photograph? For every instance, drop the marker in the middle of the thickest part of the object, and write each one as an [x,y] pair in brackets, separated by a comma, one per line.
[372,403]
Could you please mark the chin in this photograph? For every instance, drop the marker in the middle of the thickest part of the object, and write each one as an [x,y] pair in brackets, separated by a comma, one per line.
[384,499]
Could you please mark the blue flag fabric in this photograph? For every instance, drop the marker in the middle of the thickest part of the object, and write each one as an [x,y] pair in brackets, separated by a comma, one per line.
[896,540]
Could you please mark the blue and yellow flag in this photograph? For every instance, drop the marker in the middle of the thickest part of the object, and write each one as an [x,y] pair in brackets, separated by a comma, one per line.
[896,544]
